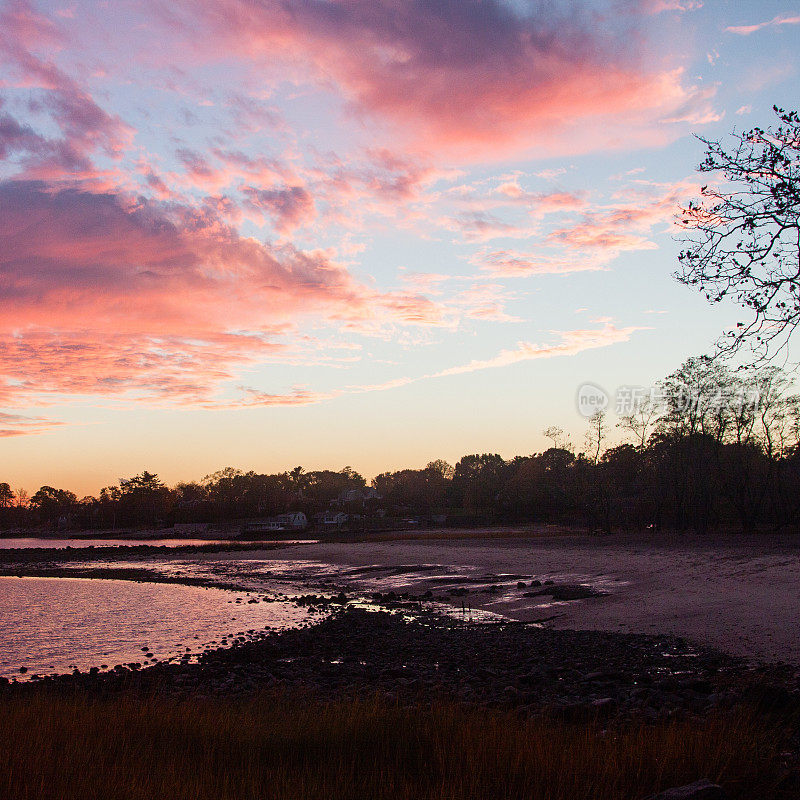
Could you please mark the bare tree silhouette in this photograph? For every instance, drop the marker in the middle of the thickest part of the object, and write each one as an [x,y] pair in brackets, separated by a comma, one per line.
[743,238]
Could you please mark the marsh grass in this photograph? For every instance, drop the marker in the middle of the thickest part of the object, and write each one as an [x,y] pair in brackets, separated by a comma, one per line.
[298,748]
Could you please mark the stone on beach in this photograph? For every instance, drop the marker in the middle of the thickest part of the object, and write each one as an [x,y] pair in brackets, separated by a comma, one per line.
[699,790]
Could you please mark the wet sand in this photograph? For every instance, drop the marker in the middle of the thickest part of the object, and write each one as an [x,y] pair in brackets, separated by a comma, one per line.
[740,594]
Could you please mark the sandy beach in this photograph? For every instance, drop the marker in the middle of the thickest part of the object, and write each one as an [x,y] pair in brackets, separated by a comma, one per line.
[740,594]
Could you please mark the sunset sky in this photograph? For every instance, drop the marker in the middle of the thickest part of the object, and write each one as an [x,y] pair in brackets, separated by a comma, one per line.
[369,232]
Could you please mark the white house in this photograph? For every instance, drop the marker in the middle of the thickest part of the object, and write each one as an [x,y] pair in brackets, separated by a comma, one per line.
[358,495]
[293,521]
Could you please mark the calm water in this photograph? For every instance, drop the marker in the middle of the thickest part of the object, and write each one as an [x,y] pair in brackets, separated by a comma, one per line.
[54,624]
[60,544]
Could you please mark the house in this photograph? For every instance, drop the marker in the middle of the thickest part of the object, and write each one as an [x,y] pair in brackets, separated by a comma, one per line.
[332,519]
[293,521]
[357,496]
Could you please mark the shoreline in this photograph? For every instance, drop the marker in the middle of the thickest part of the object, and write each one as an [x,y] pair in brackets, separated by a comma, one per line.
[594,683]
[400,656]
[737,595]
[355,652]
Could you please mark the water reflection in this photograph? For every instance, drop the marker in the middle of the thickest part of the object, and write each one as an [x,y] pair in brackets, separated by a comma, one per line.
[55,624]
[27,543]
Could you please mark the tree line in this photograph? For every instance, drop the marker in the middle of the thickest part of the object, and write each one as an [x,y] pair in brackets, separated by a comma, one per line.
[709,447]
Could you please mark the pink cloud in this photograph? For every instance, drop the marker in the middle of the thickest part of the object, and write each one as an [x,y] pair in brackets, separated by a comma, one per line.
[697,110]
[486,302]
[461,75]
[104,294]
[491,312]
[553,202]
[659,6]
[85,127]
[108,293]
[482,226]
[68,247]
[217,169]
[200,173]
[46,365]
[345,192]
[540,203]
[597,234]
[410,308]
[299,396]
[289,206]
[514,264]
[376,183]
[430,282]
[600,230]
[605,232]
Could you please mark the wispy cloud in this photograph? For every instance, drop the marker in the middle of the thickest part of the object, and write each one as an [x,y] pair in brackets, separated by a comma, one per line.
[570,343]
[659,6]
[781,19]
[516,264]
[20,425]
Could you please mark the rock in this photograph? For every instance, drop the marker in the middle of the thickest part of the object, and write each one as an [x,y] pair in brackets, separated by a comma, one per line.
[699,790]
[565,592]
[594,676]
[603,706]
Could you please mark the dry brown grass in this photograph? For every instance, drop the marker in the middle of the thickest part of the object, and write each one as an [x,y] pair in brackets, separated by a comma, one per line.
[277,746]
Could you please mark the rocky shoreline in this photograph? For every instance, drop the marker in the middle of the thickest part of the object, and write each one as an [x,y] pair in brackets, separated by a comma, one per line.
[357,651]
[402,647]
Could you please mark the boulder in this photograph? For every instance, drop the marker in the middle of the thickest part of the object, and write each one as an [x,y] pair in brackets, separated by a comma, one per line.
[699,790]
